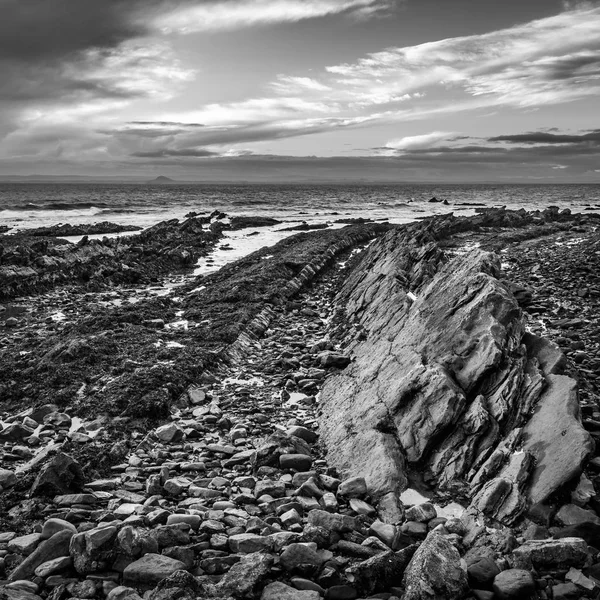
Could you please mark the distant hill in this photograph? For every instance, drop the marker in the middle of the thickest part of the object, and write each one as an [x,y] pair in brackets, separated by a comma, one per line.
[162,179]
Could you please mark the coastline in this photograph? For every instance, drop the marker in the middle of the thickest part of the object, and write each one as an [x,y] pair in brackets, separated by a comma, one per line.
[226,405]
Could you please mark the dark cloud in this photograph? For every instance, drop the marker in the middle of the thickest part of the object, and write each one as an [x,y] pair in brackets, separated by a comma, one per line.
[50,49]
[167,124]
[571,67]
[186,152]
[542,137]
[45,30]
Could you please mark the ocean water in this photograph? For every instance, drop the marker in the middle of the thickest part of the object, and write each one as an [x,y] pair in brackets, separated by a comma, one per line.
[25,205]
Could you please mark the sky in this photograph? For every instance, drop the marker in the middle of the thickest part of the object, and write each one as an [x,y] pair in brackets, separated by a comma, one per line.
[302,90]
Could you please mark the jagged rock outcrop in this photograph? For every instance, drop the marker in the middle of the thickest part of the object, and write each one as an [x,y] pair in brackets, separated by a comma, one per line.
[445,380]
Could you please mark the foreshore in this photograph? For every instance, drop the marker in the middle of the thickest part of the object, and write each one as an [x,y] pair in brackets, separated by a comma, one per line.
[209,442]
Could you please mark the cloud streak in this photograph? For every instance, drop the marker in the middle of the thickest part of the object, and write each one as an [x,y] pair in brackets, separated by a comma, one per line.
[223,15]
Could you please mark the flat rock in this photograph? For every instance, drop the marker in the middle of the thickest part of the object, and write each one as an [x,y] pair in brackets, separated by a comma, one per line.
[150,569]
[565,552]
[55,547]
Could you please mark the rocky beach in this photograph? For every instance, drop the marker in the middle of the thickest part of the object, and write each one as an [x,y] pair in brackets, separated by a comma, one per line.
[359,412]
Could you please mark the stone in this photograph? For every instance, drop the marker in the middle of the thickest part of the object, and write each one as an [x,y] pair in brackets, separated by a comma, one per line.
[570,514]
[122,592]
[333,522]
[333,359]
[590,532]
[565,552]
[244,576]
[355,487]
[381,572]
[82,589]
[308,435]
[280,591]
[55,547]
[301,558]
[171,535]
[566,591]
[15,432]
[192,520]
[7,479]
[24,544]
[169,433]
[94,550]
[421,513]
[360,507]
[481,571]
[53,566]
[276,489]
[386,532]
[245,543]
[341,592]
[61,475]
[132,542]
[514,584]
[295,462]
[17,594]
[52,526]
[435,571]
[180,585]
[150,569]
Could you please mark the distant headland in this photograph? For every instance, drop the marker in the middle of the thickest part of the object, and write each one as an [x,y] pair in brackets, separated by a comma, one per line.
[162,179]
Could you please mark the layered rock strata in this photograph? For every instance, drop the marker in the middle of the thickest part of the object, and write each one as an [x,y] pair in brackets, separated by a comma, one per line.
[446,381]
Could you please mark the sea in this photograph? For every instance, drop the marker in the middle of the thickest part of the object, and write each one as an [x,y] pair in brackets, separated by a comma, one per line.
[26,205]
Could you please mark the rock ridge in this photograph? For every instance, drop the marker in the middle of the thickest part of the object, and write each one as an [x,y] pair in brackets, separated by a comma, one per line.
[445,380]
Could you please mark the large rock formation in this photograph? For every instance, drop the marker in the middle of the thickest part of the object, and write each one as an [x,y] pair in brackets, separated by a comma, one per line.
[445,380]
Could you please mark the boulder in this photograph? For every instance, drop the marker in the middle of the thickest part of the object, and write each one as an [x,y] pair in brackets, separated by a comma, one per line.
[435,571]
[548,554]
[244,576]
[381,572]
[61,475]
[94,550]
[180,585]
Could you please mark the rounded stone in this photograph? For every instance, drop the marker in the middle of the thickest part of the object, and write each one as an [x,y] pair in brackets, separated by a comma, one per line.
[52,526]
[514,584]
[192,520]
[295,462]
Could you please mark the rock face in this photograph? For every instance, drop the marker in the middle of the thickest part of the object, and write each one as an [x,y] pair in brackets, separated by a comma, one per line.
[445,379]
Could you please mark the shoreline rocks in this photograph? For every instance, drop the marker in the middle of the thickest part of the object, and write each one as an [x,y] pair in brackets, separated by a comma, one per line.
[228,493]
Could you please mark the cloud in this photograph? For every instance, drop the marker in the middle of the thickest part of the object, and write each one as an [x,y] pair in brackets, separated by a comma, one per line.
[542,137]
[418,142]
[220,15]
[188,152]
[551,60]
[63,52]
[540,152]
[288,84]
